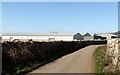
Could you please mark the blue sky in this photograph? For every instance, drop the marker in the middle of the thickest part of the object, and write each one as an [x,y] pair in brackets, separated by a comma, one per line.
[93,17]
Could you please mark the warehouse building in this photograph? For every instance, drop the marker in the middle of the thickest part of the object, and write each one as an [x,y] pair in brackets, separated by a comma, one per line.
[54,36]
[78,36]
[87,36]
[37,36]
[108,35]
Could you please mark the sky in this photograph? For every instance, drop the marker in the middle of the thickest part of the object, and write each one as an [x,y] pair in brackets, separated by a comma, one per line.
[59,0]
[93,17]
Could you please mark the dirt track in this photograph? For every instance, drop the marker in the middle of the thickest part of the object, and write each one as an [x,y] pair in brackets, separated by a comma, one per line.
[77,62]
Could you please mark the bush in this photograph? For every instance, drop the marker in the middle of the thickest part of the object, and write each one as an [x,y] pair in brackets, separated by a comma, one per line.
[22,57]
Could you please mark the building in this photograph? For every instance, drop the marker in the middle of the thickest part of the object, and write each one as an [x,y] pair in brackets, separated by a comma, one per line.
[38,36]
[87,36]
[99,37]
[54,36]
[78,36]
[108,35]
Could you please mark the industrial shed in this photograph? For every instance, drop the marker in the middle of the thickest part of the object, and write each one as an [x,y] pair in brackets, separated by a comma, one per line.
[108,35]
[38,36]
[78,36]
[54,36]
[87,36]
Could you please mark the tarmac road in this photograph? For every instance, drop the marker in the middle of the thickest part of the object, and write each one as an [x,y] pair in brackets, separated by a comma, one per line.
[77,62]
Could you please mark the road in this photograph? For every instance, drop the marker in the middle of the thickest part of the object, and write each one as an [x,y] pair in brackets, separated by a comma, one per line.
[77,62]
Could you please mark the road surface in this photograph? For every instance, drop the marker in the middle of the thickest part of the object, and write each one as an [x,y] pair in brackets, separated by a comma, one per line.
[77,62]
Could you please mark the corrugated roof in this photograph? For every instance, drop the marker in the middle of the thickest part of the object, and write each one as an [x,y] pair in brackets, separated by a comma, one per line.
[87,34]
[41,34]
[36,34]
[106,34]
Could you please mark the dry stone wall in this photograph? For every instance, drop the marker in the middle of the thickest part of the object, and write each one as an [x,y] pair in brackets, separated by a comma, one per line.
[113,53]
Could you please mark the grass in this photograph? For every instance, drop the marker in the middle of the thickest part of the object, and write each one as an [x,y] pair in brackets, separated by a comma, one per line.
[98,59]
[101,65]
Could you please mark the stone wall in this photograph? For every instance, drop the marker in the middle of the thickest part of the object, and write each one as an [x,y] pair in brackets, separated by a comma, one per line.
[113,53]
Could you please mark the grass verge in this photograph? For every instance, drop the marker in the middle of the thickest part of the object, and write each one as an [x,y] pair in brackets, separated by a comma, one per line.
[98,59]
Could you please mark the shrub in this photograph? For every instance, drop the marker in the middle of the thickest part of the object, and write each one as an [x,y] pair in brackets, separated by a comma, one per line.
[22,57]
